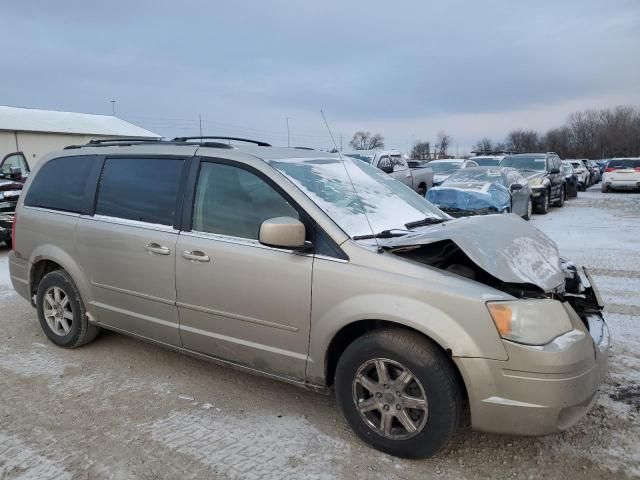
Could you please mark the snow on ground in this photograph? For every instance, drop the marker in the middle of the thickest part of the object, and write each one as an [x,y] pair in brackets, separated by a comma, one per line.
[602,233]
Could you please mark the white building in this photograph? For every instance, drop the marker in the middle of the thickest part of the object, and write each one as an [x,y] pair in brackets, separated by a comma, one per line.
[37,132]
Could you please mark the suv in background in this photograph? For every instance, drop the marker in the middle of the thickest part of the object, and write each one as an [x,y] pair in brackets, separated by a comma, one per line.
[545,175]
[215,251]
[621,174]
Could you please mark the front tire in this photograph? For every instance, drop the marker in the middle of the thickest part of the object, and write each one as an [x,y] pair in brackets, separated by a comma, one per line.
[61,312]
[527,216]
[399,393]
[605,188]
[543,207]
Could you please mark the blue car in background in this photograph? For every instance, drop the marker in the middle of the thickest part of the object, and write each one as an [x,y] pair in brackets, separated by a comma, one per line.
[484,191]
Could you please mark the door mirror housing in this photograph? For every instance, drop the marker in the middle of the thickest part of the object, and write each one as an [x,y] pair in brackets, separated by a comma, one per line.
[515,186]
[283,232]
[16,173]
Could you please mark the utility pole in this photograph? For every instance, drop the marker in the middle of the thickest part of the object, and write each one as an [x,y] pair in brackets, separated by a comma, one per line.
[457,151]
[288,136]
[340,142]
[200,122]
[113,108]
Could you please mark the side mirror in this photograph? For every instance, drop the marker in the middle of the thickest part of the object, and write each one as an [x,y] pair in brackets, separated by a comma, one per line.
[283,232]
[16,173]
[515,186]
[553,171]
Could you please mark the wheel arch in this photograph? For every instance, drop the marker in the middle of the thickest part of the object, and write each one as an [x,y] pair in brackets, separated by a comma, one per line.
[354,330]
[50,258]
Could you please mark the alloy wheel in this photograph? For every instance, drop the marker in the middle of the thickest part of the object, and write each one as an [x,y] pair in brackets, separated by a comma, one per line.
[390,399]
[57,311]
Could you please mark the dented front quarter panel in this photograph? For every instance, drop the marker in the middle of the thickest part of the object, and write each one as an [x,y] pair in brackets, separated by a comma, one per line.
[505,246]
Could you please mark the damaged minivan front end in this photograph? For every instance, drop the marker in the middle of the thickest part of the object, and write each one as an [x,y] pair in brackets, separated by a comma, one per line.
[552,329]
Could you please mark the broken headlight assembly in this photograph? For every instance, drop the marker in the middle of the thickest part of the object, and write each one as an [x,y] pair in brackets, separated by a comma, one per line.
[531,322]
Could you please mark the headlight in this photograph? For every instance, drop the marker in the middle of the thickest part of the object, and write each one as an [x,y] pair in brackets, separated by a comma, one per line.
[536,182]
[532,322]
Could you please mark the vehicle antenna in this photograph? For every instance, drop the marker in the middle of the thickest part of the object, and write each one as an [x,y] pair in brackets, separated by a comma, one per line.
[335,145]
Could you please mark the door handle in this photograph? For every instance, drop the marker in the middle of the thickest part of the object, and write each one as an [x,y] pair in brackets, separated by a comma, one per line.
[196,256]
[157,249]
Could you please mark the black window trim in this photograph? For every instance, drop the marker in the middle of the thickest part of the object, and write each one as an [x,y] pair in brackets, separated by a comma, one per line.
[186,167]
[309,223]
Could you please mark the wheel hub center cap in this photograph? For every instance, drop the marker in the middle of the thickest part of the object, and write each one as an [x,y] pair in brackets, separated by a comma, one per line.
[389,398]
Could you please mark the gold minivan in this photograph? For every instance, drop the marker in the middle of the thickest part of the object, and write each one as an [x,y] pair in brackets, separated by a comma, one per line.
[317,270]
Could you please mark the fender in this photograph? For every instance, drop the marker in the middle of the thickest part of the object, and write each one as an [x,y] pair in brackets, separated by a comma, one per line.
[62,258]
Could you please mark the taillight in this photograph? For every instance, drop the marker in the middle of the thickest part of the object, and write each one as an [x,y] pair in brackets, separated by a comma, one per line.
[610,169]
[637,169]
[13,231]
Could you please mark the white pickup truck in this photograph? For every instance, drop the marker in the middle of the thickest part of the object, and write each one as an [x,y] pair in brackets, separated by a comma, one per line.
[392,162]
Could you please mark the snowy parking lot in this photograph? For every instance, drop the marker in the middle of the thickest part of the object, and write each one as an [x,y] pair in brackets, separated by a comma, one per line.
[120,408]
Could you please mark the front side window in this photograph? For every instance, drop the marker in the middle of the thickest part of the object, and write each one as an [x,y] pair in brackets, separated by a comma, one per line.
[233,201]
[60,184]
[141,189]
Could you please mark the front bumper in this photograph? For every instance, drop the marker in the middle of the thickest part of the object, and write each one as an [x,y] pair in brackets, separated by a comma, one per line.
[540,389]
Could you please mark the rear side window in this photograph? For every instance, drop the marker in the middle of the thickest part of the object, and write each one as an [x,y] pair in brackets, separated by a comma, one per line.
[141,189]
[60,184]
[624,163]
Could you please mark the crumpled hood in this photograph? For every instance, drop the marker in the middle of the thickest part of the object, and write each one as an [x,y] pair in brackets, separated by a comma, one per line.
[505,246]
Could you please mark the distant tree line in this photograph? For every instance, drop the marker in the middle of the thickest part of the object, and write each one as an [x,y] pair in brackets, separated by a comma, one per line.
[587,134]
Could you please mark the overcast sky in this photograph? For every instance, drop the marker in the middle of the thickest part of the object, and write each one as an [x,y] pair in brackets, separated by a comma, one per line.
[406,69]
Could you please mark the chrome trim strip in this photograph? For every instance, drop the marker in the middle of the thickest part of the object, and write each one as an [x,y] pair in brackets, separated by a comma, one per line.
[234,316]
[244,343]
[131,223]
[147,318]
[247,242]
[49,210]
[331,259]
[133,293]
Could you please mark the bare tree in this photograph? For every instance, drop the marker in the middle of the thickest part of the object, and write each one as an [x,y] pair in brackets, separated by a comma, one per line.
[442,143]
[524,141]
[365,141]
[484,145]
[421,151]
[561,141]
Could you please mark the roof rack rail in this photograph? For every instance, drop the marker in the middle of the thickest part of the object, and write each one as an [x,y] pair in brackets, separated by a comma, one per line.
[123,140]
[107,142]
[207,137]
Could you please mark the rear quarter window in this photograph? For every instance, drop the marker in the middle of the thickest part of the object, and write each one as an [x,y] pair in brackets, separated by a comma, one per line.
[60,184]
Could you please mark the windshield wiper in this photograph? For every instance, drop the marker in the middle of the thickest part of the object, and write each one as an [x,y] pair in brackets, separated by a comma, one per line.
[424,222]
[383,234]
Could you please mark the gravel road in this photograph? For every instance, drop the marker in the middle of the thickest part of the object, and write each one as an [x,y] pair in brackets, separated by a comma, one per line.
[119,408]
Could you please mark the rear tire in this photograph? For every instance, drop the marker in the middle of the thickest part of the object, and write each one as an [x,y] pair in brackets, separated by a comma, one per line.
[422,190]
[421,390]
[61,311]
[9,243]
[605,188]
